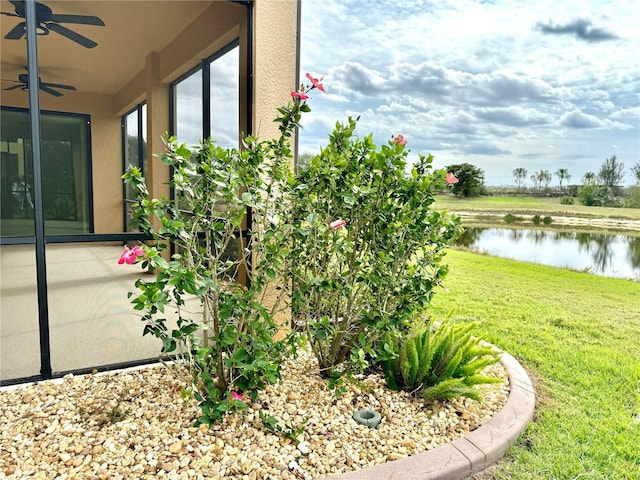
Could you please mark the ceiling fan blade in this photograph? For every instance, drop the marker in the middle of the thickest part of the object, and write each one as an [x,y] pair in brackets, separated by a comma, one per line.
[71,35]
[77,19]
[16,32]
[9,14]
[50,91]
[57,85]
[15,87]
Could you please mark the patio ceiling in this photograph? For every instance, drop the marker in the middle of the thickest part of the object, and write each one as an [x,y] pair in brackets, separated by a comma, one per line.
[132,30]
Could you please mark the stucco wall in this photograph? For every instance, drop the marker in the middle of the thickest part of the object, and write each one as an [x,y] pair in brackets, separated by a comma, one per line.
[274,54]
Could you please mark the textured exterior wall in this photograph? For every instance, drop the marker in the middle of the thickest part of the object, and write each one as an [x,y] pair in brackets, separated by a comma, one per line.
[274,56]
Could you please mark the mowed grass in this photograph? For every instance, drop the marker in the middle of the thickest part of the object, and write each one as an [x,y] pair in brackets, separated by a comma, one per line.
[533,205]
[578,336]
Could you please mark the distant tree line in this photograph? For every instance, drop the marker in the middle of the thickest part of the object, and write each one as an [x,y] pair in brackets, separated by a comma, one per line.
[601,189]
[540,179]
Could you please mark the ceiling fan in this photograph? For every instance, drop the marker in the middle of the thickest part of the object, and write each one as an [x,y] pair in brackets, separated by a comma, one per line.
[23,83]
[49,21]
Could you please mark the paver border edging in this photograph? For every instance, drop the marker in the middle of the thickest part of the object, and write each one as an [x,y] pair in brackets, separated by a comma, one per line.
[471,453]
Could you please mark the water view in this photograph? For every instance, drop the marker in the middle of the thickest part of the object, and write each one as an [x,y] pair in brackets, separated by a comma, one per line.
[609,255]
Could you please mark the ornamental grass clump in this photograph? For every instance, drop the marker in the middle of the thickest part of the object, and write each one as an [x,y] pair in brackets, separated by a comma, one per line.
[228,342]
[368,247]
[438,361]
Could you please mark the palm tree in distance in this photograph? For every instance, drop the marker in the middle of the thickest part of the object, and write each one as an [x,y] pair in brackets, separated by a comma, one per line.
[544,178]
[534,180]
[520,174]
[589,178]
[562,174]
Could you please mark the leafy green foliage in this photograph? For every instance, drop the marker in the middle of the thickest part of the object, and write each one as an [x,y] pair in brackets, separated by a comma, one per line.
[438,361]
[632,200]
[511,218]
[567,200]
[354,282]
[611,173]
[470,180]
[598,196]
[229,346]
[635,170]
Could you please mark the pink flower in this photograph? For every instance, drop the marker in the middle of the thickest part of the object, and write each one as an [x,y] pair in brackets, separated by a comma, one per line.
[336,224]
[315,82]
[130,255]
[400,139]
[299,95]
[236,396]
[451,178]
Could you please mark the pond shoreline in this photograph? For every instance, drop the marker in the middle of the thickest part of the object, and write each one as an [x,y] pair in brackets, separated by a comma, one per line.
[494,217]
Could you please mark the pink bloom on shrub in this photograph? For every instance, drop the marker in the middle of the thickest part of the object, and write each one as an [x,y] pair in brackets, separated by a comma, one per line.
[400,139]
[299,95]
[236,396]
[336,224]
[130,255]
[315,82]
[451,178]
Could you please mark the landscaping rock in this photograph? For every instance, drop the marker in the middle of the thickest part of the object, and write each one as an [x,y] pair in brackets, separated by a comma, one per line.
[135,424]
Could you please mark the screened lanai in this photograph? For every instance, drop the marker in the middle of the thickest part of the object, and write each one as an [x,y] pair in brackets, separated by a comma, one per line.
[88,89]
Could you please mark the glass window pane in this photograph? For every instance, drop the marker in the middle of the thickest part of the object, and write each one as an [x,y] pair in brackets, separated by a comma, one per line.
[131,150]
[16,175]
[143,136]
[225,99]
[189,109]
[65,174]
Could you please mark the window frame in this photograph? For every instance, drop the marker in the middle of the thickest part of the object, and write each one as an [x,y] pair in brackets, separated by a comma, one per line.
[139,109]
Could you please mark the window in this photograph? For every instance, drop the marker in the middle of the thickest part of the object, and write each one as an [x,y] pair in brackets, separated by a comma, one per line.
[134,148]
[66,173]
[207,100]
[207,105]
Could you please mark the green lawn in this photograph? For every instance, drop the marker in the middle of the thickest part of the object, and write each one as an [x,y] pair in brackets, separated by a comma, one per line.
[578,336]
[549,206]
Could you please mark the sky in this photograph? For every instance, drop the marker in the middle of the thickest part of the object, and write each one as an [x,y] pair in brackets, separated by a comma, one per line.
[500,84]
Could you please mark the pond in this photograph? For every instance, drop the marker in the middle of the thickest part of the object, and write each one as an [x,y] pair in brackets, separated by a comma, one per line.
[605,254]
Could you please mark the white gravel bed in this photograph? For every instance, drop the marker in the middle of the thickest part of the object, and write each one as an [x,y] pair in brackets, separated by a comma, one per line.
[134,424]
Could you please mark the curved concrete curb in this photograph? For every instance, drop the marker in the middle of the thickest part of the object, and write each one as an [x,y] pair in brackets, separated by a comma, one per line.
[472,453]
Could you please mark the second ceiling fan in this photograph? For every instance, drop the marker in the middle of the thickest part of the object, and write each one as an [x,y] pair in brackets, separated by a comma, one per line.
[47,87]
[49,21]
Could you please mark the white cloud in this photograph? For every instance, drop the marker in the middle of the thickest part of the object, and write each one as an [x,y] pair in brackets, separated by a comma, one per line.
[480,78]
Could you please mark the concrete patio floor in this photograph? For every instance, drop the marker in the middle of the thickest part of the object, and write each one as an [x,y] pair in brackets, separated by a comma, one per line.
[91,320]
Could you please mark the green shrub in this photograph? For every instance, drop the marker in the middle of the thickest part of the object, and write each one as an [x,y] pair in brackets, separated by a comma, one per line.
[536,220]
[566,200]
[598,196]
[228,343]
[369,245]
[438,362]
[547,220]
[632,200]
[511,218]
